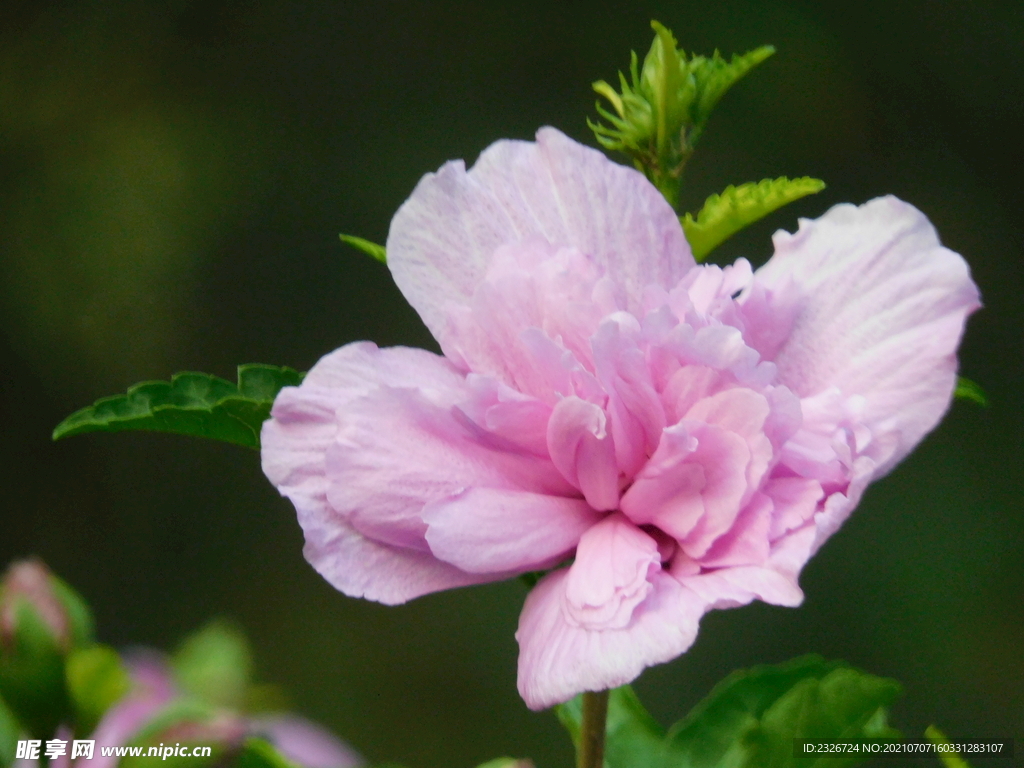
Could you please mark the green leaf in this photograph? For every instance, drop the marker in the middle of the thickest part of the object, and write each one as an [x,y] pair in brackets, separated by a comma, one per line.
[9,733]
[737,207]
[196,404]
[96,679]
[215,664]
[714,76]
[752,717]
[258,753]
[968,390]
[633,738]
[369,248]
[507,762]
[949,759]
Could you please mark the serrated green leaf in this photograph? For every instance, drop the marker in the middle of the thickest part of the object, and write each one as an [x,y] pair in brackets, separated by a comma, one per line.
[196,404]
[751,718]
[368,247]
[96,679]
[969,390]
[737,207]
[633,738]
[215,664]
[949,759]
[714,76]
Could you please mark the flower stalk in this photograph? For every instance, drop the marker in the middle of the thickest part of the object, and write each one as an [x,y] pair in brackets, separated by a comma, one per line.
[590,753]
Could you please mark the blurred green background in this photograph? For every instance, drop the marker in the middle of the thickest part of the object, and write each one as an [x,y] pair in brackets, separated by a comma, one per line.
[173,177]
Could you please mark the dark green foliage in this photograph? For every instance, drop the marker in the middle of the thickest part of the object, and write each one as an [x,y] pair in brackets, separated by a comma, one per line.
[751,719]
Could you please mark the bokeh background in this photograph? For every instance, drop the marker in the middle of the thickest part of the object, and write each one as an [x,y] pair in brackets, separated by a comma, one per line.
[173,177]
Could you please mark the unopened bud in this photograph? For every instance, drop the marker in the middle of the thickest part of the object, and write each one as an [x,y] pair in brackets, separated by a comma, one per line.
[27,586]
[662,108]
[41,620]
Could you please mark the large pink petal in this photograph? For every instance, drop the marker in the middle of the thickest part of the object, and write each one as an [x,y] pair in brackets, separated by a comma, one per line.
[444,236]
[877,308]
[485,530]
[359,368]
[559,659]
[305,427]
[293,459]
[395,451]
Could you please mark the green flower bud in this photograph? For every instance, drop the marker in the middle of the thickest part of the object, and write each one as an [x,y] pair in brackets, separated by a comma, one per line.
[661,111]
[41,620]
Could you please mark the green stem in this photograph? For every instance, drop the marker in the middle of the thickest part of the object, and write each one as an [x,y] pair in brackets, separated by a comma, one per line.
[595,716]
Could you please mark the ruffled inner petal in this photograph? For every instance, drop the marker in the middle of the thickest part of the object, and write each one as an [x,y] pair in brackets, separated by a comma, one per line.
[583,451]
[611,575]
[486,530]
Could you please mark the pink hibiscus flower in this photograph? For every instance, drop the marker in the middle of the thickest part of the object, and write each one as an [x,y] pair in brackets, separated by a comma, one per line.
[690,435]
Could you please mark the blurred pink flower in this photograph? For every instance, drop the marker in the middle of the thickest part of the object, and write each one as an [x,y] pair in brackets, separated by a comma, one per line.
[691,435]
[154,693]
